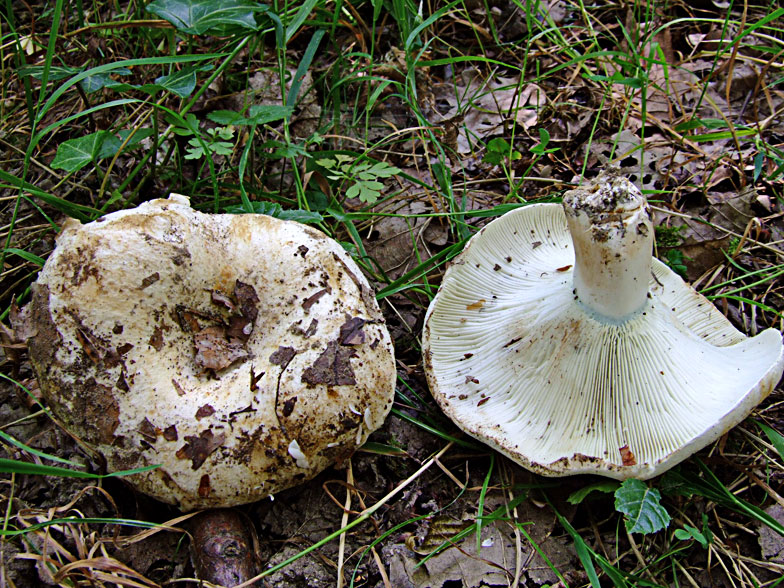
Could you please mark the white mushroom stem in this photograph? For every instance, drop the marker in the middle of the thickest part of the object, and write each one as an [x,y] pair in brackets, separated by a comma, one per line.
[613,239]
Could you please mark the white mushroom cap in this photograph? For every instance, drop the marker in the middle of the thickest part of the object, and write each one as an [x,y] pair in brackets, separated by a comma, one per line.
[569,369]
[242,353]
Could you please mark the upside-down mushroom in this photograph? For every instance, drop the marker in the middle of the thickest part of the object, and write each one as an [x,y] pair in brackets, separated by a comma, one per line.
[241,353]
[557,339]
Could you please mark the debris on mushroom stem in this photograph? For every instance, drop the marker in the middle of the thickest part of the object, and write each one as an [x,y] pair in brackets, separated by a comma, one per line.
[612,233]
[218,347]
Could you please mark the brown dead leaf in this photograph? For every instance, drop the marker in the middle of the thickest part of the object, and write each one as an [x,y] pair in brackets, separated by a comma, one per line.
[214,351]
[351,332]
[487,104]
[332,368]
[198,449]
[282,356]
[771,543]
[247,300]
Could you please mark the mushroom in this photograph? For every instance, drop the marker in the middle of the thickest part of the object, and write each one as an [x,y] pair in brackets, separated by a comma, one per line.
[242,354]
[582,353]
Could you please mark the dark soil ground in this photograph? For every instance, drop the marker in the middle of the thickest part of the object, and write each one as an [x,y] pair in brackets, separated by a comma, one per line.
[718,220]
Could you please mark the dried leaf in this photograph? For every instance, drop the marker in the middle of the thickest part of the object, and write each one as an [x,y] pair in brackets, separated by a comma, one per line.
[351,332]
[247,299]
[150,280]
[332,367]
[170,433]
[282,356]
[156,339]
[198,449]
[205,411]
[147,430]
[222,299]
[627,456]
[214,351]
[312,299]
[204,486]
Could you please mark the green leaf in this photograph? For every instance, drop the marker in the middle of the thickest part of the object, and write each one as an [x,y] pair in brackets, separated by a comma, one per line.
[16,443]
[221,148]
[640,504]
[258,114]
[225,133]
[382,169]
[285,149]
[688,533]
[218,17]
[759,159]
[108,147]
[719,135]
[498,145]
[544,137]
[139,136]
[78,211]
[274,209]
[326,163]
[95,82]
[606,486]
[56,73]
[689,125]
[776,439]
[74,154]
[182,82]
[366,190]
[493,158]
[304,65]
[194,150]
[354,190]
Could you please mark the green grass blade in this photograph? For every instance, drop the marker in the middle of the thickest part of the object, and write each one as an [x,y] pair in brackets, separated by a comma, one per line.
[480,508]
[776,439]
[16,443]
[302,13]
[304,65]
[26,255]
[80,521]
[409,43]
[12,466]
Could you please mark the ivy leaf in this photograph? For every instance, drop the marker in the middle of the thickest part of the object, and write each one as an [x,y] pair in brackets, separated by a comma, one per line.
[274,209]
[182,82]
[95,82]
[258,114]
[109,146]
[74,154]
[640,504]
[493,158]
[197,17]
[137,137]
